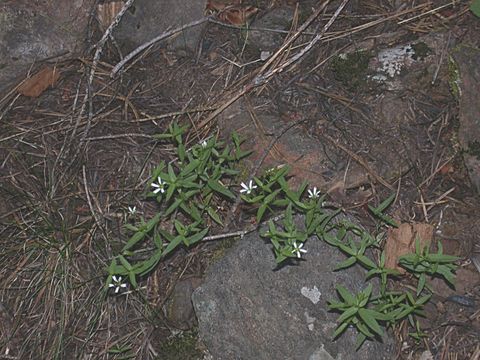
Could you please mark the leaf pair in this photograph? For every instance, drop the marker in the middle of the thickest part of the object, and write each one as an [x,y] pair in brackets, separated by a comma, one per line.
[354,312]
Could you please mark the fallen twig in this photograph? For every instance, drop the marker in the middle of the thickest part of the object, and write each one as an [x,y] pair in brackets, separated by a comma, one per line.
[262,76]
[359,160]
[149,43]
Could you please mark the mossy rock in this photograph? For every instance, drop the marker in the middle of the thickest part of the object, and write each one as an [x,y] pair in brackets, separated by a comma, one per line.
[184,346]
[351,69]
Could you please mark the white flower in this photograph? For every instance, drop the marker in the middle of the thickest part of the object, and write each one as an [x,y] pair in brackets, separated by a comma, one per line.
[160,187]
[117,283]
[247,189]
[298,249]
[313,194]
[132,210]
[204,144]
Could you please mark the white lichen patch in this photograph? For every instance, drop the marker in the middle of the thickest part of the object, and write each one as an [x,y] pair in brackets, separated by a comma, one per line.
[312,294]
[394,59]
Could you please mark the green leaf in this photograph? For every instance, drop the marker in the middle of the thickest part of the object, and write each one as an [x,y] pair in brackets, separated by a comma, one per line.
[340,329]
[181,152]
[149,264]
[152,222]
[418,249]
[423,299]
[475,8]
[328,238]
[346,249]
[190,168]
[372,272]
[366,261]
[385,204]
[172,245]
[368,316]
[166,235]
[191,211]
[133,280]
[347,263]
[280,258]
[421,283]
[368,291]
[131,227]
[289,215]
[197,237]
[261,212]
[134,240]
[158,241]
[170,191]
[387,219]
[347,314]
[441,258]
[447,274]
[364,329]
[179,227]
[162,136]
[214,216]
[125,263]
[360,340]
[171,174]
[378,211]
[115,269]
[218,188]
[173,206]
[345,294]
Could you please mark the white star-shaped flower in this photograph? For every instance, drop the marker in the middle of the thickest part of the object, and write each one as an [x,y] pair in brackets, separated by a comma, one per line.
[247,189]
[313,194]
[132,210]
[298,249]
[160,187]
[117,283]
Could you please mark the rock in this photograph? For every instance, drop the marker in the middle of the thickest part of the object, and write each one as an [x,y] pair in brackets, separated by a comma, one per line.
[33,31]
[397,68]
[277,19]
[147,19]
[303,153]
[247,309]
[401,241]
[179,308]
[466,81]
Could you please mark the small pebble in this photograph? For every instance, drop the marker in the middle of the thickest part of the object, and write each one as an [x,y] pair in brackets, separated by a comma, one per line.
[461,300]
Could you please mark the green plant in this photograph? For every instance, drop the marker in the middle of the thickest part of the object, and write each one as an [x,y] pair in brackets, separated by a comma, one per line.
[393,307]
[423,263]
[379,211]
[354,312]
[188,191]
[288,241]
[271,192]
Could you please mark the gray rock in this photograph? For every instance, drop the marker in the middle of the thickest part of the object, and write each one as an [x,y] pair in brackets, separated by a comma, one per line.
[466,82]
[31,32]
[179,308]
[147,19]
[247,310]
[277,19]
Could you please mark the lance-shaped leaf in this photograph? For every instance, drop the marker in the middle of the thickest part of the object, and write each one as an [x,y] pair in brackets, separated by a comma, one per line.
[218,188]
